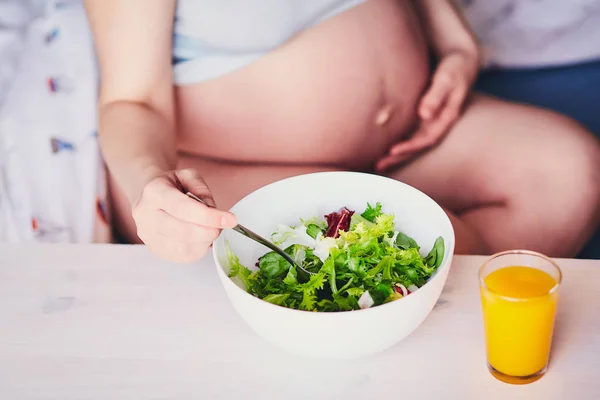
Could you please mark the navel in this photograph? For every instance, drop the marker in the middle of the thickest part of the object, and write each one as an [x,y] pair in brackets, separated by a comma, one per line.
[383,115]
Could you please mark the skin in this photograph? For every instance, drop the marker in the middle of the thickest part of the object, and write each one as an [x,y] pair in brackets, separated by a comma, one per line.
[360,86]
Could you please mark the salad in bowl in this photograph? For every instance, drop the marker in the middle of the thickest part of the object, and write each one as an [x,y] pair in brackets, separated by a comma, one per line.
[356,261]
[377,253]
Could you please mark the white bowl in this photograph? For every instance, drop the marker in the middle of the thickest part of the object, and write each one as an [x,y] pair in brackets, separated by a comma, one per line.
[346,334]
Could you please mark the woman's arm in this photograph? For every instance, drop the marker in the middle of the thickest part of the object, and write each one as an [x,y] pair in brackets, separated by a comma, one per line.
[446,29]
[136,120]
[137,128]
[458,58]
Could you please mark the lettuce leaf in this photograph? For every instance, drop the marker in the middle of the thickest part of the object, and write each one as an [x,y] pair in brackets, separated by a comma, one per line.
[276,298]
[238,270]
[308,302]
[372,212]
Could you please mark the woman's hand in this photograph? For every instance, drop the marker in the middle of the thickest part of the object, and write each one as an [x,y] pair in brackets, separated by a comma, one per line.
[438,109]
[174,226]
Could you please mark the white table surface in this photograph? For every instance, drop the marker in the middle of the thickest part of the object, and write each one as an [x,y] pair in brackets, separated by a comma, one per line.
[113,322]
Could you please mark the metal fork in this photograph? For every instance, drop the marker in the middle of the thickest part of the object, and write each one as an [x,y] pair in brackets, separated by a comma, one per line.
[257,238]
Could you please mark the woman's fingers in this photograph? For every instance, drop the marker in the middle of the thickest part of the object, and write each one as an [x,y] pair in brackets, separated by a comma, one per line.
[181,231]
[436,95]
[174,226]
[162,194]
[392,161]
[193,182]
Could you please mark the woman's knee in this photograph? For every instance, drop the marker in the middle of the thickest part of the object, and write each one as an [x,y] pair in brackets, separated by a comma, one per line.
[571,174]
[549,185]
[577,156]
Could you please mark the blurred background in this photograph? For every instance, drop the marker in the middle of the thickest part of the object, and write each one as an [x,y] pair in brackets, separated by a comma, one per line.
[540,52]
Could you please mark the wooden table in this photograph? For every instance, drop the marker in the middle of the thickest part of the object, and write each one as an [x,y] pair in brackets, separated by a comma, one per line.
[112,322]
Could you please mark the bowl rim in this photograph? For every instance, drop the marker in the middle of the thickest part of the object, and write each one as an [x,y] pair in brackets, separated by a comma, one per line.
[446,263]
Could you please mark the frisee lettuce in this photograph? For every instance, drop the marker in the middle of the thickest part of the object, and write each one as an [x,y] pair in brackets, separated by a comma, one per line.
[372,212]
[371,256]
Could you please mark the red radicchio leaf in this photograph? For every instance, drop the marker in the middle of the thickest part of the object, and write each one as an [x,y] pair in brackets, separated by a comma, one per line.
[338,221]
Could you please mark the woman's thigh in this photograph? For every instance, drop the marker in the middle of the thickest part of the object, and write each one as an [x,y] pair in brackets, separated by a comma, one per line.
[518,174]
[571,90]
[228,183]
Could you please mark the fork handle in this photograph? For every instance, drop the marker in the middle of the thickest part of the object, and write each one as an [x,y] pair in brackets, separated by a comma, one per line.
[257,238]
[247,232]
[198,199]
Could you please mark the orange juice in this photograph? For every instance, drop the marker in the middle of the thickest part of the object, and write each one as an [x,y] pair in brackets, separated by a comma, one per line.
[519,306]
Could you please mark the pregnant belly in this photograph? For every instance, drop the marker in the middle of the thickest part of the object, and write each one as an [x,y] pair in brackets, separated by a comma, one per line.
[339,94]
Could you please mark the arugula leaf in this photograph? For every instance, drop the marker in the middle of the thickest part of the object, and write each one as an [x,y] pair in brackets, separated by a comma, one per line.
[277,299]
[371,213]
[405,242]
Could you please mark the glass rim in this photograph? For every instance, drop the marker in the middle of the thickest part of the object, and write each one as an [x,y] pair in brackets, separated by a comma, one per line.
[522,252]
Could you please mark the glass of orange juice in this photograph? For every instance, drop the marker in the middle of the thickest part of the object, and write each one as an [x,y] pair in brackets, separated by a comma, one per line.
[519,293]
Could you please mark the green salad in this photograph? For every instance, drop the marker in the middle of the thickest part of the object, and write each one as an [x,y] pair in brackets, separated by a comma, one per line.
[357,260]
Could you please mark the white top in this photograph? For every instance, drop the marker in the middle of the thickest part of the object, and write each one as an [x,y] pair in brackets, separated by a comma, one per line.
[533,33]
[112,322]
[215,37]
